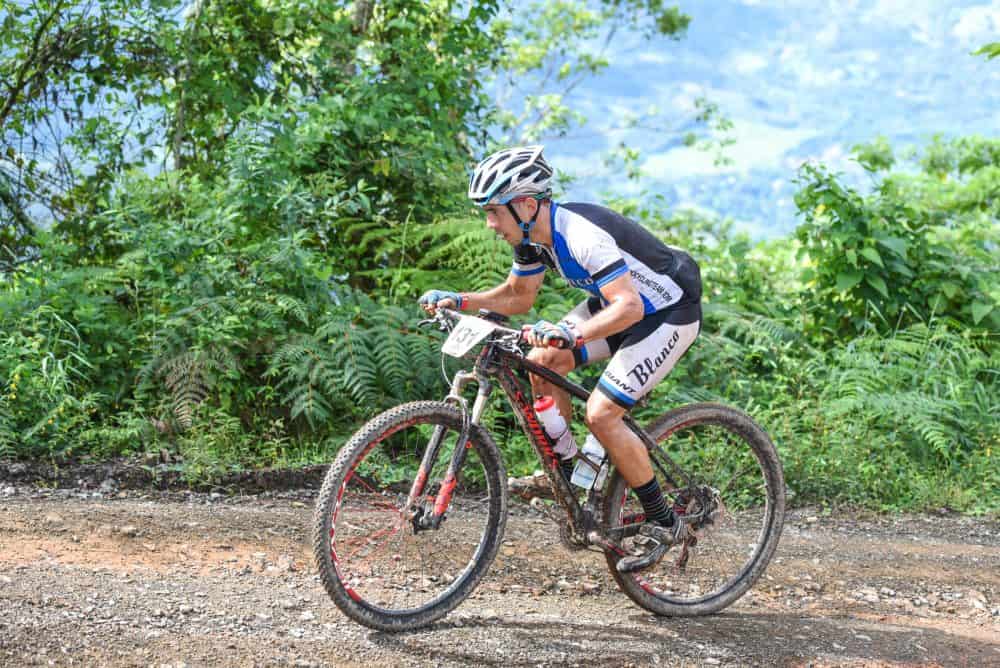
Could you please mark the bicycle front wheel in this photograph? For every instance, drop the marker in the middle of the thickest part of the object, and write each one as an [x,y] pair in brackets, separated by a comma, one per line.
[378,559]
[733,504]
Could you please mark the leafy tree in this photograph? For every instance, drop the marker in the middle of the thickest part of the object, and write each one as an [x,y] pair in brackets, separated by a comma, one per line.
[73,76]
[919,246]
[991,50]
[87,94]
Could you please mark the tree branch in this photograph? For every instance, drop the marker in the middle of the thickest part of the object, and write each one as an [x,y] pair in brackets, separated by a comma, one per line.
[32,59]
[363,10]
[8,199]
[183,73]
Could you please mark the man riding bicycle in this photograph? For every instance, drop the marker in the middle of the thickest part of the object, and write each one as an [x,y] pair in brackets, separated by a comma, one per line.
[643,312]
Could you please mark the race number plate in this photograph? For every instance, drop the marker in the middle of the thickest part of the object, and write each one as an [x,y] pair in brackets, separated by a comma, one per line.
[468,332]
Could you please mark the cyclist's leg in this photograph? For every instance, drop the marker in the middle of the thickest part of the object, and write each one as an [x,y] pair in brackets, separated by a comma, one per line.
[649,350]
[560,361]
[627,452]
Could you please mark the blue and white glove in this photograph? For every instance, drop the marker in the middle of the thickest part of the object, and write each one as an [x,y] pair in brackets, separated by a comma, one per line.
[556,335]
[432,298]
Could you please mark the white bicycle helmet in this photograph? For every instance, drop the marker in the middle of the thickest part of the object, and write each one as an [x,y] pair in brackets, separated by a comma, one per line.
[510,173]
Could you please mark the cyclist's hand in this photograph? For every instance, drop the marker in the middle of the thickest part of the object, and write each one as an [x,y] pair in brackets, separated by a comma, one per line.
[432,300]
[557,335]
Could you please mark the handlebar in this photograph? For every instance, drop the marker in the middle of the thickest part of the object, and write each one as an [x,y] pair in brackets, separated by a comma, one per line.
[447,317]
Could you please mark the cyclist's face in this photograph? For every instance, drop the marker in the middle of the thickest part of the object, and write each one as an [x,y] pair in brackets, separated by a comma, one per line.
[500,220]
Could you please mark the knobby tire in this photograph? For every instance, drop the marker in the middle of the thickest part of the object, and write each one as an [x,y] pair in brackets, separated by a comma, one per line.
[673,590]
[350,460]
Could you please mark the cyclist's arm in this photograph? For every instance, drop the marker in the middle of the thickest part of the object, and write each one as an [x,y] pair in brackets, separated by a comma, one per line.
[513,296]
[624,309]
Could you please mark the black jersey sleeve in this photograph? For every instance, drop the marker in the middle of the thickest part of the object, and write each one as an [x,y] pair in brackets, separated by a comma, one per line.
[528,260]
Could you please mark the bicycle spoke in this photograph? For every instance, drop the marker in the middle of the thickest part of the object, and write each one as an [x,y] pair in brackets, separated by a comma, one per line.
[716,558]
[728,510]
[385,560]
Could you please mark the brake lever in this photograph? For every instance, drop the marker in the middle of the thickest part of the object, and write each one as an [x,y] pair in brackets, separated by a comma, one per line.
[514,342]
[526,328]
[441,322]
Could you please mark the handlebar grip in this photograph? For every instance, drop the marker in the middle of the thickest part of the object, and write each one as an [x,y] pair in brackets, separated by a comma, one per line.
[553,343]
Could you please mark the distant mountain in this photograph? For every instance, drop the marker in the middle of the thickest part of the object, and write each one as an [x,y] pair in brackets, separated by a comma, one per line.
[800,80]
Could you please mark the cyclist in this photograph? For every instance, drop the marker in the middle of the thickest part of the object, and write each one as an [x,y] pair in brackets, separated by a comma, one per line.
[643,311]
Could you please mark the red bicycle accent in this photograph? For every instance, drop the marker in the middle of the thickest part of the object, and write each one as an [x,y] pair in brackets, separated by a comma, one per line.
[418,483]
[444,496]
[347,479]
[541,439]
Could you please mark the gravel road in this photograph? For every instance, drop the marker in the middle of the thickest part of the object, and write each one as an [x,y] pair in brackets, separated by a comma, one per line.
[182,579]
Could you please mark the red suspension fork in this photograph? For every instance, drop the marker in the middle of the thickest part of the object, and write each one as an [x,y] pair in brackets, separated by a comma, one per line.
[426,465]
[443,499]
[462,446]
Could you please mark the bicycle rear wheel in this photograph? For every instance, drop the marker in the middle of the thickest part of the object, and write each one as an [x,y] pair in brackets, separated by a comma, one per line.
[734,507]
[380,565]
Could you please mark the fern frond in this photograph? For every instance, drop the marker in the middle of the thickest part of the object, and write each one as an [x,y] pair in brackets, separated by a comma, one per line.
[390,354]
[359,370]
[751,327]
[424,354]
[188,388]
[291,306]
[307,402]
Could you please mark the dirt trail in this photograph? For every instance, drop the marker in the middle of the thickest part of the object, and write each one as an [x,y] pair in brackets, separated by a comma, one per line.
[203,580]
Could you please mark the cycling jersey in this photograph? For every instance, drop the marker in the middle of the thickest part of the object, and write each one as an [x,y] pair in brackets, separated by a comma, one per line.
[592,246]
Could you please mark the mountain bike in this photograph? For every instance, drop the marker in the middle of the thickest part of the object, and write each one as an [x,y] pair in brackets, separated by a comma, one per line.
[412,512]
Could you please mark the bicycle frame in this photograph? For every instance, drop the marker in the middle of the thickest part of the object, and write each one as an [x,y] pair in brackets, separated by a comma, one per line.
[382,572]
[497,362]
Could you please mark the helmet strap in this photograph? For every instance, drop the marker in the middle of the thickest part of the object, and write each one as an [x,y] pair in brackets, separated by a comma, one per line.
[525,226]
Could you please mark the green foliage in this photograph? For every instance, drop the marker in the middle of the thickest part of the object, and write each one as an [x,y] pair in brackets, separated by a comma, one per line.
[361,351]
[253,301]
[893,418]
[991,50]
[875,156]
[913,249]
[59,328]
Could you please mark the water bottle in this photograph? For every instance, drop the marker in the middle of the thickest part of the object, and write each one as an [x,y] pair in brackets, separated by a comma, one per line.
[585,475]
[556,427]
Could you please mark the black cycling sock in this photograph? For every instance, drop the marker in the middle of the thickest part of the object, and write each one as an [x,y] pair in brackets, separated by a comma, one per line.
[653,503]
[567,467]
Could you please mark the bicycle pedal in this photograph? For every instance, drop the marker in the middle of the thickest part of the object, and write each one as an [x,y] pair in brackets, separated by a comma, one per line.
[663,535]
[633,564]
[549,511]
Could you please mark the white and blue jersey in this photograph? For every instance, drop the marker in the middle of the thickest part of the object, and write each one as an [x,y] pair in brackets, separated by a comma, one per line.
[592,246]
